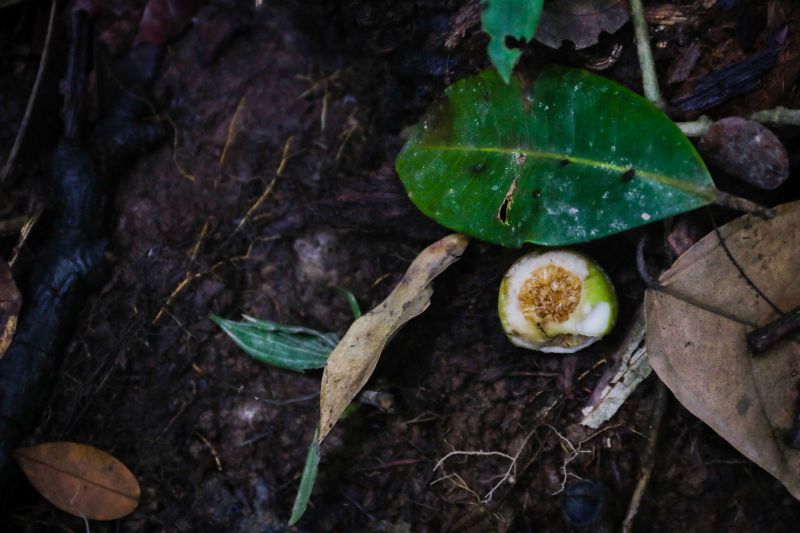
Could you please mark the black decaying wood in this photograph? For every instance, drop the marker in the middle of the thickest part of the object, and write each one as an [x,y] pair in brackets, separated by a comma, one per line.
[72,261]
[728,82]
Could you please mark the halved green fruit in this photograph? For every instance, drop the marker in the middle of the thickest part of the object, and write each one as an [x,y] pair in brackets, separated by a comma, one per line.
[556,301]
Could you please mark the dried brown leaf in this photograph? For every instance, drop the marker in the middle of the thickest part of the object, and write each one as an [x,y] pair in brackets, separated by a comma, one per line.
[580,21]
[79,479]
[703,356]
[355,357]
[10,302]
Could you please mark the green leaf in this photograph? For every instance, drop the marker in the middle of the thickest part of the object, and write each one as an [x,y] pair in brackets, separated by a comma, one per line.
[290,347]
[569,157]
[355,309]
[509,18]
[306,481]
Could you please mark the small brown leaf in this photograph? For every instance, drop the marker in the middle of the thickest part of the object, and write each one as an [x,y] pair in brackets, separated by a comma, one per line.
[355,357]
[79,479]
[10,302]
[580,21]
[703,356]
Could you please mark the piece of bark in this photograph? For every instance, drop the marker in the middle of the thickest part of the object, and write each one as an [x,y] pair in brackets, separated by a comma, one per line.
[727,82]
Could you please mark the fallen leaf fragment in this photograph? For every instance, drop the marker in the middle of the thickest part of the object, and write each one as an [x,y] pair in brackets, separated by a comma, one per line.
[355,357]
[10,302]
[580,21]
[631,369]
[80,479]
[702,356]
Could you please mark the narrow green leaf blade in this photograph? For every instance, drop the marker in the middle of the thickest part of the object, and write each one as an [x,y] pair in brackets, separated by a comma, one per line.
[290,347]
[355,309]
[509,18]
[306,481]
[569,157]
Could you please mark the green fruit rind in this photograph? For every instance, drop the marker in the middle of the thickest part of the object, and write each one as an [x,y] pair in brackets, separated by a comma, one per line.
[591,318]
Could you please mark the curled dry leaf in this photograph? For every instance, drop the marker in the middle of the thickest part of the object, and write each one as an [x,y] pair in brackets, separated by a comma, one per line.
[80,479]
[580,21]
[10,302]
[355,357]
[702,355]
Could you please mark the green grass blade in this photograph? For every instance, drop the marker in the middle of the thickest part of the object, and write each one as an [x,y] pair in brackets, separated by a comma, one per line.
[306,481]
[351,301]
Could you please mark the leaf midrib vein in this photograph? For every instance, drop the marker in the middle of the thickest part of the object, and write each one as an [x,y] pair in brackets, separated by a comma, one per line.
[704,192]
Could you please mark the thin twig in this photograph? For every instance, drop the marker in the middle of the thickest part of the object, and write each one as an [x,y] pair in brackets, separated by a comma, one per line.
[657,286]
[211,448]
[649,459]
[743,205]
[779,116]
[35,93]
[696,128]
[649,281]
[232,130]
[763,338]
[270,187]
[646,62]
[733,260]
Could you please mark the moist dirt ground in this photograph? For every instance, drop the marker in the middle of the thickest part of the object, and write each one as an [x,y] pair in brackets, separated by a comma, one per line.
[300,111]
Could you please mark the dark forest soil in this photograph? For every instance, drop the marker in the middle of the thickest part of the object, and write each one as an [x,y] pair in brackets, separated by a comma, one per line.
[217,440]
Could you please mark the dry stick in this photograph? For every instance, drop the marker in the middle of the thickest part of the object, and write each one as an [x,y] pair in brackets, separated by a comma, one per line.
[743,205]
[646,62]
[268,190]
[763,338]
[648,461]
[780,116]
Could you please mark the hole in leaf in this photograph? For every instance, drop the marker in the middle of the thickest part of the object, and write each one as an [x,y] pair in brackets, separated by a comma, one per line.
[505,207]
[502,215]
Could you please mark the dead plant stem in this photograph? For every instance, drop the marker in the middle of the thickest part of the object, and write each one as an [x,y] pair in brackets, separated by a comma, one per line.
[646,62]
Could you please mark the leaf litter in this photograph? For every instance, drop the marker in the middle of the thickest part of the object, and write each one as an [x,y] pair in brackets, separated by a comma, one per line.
[355,357]
[701,354]
[80,479]
[10,303]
